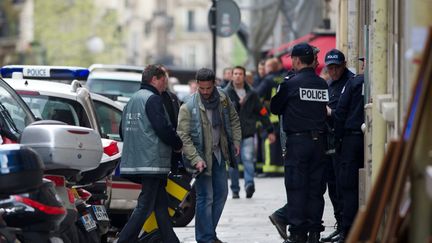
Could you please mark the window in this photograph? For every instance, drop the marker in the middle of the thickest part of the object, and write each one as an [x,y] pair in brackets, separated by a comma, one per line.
[109,120]
[11,108]
[190,20]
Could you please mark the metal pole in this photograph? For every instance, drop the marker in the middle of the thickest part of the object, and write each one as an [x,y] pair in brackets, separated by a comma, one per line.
[213,30]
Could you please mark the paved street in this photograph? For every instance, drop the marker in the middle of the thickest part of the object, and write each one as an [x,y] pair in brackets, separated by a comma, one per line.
[246,220]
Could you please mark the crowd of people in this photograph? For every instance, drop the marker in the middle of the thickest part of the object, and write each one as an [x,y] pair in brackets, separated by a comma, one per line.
[312,123]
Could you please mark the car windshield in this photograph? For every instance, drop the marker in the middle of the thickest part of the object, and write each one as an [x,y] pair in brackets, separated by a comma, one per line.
[15,112]
[53,108]
[113,88]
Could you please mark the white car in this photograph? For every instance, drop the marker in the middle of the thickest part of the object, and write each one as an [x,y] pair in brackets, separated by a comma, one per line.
[72,104]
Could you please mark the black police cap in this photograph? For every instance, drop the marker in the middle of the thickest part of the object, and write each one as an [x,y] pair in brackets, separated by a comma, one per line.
[334,56]
[302,49]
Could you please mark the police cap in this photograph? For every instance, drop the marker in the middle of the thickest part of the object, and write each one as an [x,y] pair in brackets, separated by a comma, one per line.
[302,49]
[334,56]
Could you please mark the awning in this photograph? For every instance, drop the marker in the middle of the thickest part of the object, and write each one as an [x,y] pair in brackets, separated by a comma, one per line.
[325,42]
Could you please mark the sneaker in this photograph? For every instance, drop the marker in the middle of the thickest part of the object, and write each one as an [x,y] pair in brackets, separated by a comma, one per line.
[250,189]
[333,237]
[235,195]
[280,227]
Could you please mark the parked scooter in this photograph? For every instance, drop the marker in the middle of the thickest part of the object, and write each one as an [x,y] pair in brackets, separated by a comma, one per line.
[29,207]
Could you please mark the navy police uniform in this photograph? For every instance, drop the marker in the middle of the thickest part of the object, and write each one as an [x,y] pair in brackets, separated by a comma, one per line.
[334,56]
[349,116]
[301,100]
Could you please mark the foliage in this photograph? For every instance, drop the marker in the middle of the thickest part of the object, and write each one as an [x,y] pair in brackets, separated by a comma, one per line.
[63,27]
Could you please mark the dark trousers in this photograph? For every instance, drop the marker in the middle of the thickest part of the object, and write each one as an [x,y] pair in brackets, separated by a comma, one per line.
[304,171]
[330,183]
[153,197]
[351,160]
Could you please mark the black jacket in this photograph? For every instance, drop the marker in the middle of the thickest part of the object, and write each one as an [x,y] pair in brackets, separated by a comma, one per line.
[302,101]
[250,112]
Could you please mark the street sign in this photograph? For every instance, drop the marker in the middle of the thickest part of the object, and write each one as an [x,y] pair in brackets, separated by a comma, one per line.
[227,18]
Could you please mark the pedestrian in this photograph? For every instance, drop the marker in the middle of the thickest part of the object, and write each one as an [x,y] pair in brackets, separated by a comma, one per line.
[210,130]
[301,100]
[148,140]
[348,119]
[339,75]
[226,77]
[259,75]
[250,111]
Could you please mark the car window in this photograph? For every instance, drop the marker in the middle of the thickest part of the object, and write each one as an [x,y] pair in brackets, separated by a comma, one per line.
[15,110]
[113,88]
[109,120]
[53,108]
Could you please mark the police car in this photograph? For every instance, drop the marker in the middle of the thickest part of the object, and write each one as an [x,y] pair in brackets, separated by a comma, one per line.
[69,103]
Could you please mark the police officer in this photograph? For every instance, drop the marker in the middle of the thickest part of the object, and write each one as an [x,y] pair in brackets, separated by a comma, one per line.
[339,74]
[349,117]
[301,100]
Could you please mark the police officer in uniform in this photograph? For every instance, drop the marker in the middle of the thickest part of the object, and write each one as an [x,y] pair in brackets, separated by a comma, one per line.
[301,100]
[339,74]
[349,117]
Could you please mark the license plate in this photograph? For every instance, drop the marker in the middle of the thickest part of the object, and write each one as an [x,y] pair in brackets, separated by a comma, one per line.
[100,212]
[88,222]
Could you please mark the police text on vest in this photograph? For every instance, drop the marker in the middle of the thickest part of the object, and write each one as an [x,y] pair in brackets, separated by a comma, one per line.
[319,95]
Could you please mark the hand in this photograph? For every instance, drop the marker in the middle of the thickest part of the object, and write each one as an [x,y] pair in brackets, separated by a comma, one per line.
[237,148]
[271,137]
[200,166]
[329,110]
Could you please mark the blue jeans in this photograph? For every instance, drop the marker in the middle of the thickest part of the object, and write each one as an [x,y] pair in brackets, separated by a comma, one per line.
[211,194]
[247,153]
[153,196]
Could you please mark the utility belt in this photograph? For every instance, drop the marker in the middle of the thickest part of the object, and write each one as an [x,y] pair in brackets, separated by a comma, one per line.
[315,135]
[353,132]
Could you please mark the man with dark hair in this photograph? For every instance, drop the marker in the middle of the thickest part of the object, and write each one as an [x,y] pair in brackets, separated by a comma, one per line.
[148,138]
[301,100]
[250,111]
[209,125]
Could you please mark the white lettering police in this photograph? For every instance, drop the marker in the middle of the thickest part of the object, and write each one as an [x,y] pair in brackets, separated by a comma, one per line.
[319,95]
[332,56]
[36,72]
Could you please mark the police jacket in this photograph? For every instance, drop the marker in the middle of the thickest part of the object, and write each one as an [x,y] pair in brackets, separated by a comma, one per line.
[195,130]
[349,114]
[335,89]
[148,136]
[302,100]
[251,111]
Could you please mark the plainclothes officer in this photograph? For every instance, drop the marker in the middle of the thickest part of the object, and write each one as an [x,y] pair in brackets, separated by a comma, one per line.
[349,117]
[301,100]
[339,74]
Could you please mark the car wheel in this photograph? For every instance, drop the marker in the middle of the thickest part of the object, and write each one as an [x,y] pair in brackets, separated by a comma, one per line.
[186,213]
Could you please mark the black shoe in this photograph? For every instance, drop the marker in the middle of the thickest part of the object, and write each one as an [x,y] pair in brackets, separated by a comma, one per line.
[342,237]
[334,236]
[281,227]
[250,189]
[235,195]
[314,237]
[296,238]
[217,241]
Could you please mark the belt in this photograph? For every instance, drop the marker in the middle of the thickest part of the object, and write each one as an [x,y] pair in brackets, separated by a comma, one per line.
[313,134]
[353,132]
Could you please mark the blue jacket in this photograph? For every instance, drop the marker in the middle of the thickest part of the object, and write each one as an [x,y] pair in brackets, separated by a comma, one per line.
[349,114]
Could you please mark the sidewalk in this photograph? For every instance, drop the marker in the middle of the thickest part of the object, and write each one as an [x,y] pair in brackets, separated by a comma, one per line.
[246,220]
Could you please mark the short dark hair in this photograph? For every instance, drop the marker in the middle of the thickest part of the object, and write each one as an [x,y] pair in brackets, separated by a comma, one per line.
[307,59]
[205,74]
[150,71]
[242,68]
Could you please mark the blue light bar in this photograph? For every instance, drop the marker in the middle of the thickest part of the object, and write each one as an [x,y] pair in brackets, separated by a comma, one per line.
[46,72]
